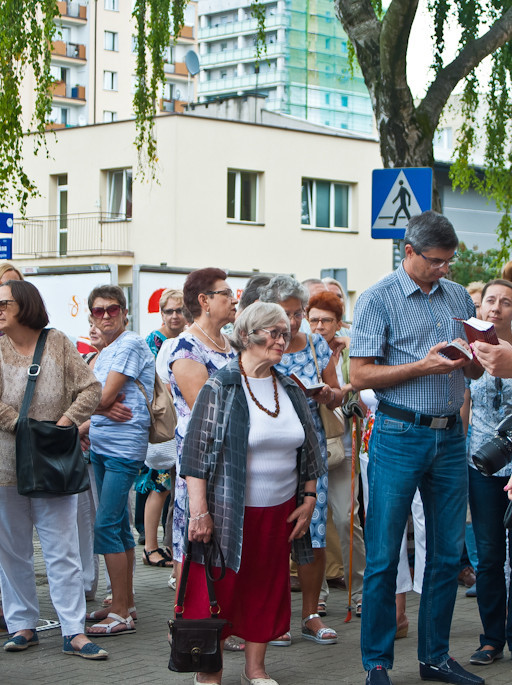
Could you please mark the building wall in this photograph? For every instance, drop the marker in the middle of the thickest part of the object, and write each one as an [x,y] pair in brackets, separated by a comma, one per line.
[182,218]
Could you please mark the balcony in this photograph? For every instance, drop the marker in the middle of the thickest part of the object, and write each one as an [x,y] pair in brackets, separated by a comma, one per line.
[169,106]
[72,12]
[71,235]
[187,32]
[249,81]
[247,54]
[176,68]
[66,52]
[61,90]
[239,28]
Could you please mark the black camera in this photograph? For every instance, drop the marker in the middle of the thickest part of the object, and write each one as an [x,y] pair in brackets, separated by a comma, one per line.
[496,453]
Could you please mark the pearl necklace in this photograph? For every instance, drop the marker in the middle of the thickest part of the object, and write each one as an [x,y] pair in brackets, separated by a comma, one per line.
[222,349]
[273,414]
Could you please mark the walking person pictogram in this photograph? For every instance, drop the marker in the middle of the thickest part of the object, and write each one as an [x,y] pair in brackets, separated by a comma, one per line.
[405,200]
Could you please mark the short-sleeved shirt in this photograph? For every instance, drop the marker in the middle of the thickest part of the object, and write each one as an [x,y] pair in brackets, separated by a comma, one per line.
[397,323]
[155,340]
[129,355]
[484,418]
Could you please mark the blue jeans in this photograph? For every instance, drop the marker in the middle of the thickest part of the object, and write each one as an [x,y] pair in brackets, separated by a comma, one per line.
[114,478]
[402,457]
[488,504]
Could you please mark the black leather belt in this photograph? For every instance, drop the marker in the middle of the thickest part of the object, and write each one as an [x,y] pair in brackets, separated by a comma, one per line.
[435,422]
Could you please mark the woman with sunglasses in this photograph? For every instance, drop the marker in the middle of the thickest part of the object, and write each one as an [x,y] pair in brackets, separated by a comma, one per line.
[66,392]
[308,357]
[251,461]
[192,358]
[490,401]
[119,440]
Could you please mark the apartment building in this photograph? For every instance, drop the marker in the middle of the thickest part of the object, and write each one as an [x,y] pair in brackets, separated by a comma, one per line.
[93,64]
[304,70]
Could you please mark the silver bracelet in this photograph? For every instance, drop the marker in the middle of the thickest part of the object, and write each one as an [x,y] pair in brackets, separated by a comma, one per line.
[199,516]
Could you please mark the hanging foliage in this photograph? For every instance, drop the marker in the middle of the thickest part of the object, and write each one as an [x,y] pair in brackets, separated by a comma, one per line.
[27,30]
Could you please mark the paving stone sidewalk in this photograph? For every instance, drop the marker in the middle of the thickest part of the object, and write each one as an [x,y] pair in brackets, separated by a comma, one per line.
[142,658]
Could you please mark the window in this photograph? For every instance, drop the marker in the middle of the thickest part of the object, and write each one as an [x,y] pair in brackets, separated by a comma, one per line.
[62,213]
[327,43]
[119,194]
[111,41]
[112,5]
[109,116]
[344,100]
[325,204]
[110,80]
[243,188]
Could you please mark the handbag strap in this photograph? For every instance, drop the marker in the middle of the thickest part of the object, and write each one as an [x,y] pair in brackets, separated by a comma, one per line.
[313,352]
[208,550]
[33,372]
[148,403]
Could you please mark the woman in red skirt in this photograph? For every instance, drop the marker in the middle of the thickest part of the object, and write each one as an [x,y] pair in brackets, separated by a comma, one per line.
[251,460]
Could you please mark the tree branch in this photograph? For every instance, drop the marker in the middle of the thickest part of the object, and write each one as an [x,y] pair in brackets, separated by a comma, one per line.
[396,29]
[468,58]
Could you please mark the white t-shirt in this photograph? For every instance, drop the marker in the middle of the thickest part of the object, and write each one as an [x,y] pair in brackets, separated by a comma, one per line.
[272,475]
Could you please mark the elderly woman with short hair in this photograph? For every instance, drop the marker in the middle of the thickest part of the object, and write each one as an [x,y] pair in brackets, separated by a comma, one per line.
[251,461]
[308,357]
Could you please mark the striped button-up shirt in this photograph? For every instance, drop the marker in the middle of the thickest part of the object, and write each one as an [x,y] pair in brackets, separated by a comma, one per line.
[397,323]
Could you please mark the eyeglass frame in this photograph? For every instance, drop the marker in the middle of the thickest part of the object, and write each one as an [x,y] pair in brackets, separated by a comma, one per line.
[4,303]
[170,311]
[227,292]
[275,334]
[105,309]
[438,263]
[323,320]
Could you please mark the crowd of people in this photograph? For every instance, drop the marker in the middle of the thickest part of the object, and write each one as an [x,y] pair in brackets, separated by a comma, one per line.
[256,465]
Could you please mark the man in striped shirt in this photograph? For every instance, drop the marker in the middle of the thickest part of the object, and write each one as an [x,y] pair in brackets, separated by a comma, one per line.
[400,326]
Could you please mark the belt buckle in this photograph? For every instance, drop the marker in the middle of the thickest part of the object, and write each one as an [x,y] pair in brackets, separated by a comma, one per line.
[439,422]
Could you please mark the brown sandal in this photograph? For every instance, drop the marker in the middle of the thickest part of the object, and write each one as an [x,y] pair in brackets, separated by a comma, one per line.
[163,562]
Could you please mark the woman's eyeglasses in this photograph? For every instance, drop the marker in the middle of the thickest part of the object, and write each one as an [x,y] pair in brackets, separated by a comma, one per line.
[324,320]
[170,312]
[112,310]
[275,334]
[227,293]
[4,303]
[498,398]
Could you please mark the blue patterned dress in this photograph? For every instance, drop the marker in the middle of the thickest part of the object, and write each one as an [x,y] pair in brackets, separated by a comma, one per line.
[187,346]
[302,364]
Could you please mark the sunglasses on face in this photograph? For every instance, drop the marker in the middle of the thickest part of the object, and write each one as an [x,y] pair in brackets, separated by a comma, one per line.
[170,312]
[112,310]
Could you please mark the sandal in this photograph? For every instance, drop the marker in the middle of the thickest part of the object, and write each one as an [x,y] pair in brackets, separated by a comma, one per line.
[129,626]
[164,561]
[318,636]
[100,614]
[107,602]
[321,609]
[284,640]
[359,610]
[234,644]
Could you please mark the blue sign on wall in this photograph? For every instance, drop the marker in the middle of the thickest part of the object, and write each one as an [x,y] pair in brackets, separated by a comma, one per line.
[398,194]
[6,222]
[5,248]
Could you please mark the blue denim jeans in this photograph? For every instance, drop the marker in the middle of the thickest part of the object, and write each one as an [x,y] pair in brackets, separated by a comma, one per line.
[402,457]
[488,504]
[114,478]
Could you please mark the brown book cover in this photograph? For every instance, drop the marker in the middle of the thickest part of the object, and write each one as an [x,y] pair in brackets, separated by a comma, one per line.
[476,329]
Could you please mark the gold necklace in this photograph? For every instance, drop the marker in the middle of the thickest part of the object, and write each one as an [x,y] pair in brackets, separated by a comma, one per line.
[223,349]
[273,414]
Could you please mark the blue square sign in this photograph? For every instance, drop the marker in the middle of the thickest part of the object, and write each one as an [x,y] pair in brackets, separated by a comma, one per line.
[5,248]
[6,222]
[398,194]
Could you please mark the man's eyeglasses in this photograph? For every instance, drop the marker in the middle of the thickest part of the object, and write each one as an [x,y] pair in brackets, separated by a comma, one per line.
[498,398]
[438,263]
[275,334]
[112,310]
[4,303]
[170,312]
[227,293]
[324,320]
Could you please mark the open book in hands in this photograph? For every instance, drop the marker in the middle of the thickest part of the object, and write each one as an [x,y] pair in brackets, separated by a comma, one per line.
[308,390]
[475,329]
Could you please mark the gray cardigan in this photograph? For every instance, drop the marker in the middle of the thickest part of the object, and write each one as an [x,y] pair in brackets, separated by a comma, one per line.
[215,449]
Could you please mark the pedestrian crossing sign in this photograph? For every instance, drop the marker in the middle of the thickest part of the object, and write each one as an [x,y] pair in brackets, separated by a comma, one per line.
[398,194]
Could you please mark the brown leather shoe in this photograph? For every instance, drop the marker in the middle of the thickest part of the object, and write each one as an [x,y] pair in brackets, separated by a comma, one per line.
[338,583]
[467,577]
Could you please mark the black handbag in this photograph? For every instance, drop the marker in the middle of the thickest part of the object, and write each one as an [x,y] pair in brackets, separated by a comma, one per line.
[49,459]
[195,643]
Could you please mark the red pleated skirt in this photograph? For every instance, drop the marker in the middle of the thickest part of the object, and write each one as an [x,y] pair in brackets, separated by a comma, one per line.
[256,601]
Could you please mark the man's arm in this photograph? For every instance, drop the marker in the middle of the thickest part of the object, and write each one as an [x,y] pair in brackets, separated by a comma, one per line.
[496,359]
[364,373]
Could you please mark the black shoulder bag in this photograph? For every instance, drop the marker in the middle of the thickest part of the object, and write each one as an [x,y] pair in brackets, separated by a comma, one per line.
[49,459]
[195,643]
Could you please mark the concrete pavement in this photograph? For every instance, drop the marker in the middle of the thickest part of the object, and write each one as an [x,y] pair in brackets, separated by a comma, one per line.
[142,658]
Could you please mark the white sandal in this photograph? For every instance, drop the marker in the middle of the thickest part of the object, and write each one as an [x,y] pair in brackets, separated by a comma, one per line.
[244,680]
[318,636]
[118,620]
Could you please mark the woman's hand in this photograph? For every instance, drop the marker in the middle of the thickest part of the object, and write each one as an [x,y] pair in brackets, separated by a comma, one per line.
[324,396]
[302,517]
[117,411]
[64,421]
[508,488]
[200,529]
